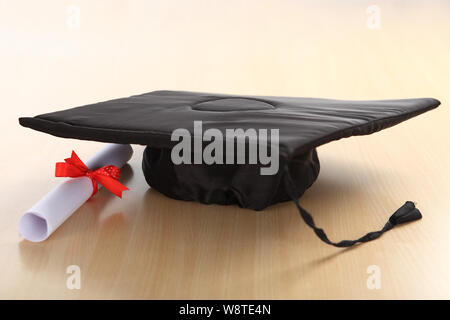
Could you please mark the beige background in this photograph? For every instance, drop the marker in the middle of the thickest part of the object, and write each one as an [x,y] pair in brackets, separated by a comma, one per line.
[149,246]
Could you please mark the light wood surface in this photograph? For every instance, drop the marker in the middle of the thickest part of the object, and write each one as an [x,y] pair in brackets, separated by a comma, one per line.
[149,246]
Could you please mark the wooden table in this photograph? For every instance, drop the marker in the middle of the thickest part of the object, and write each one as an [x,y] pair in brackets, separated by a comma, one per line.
[149,246]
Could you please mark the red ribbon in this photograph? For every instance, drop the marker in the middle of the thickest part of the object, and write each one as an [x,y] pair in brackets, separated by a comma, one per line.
[108,176]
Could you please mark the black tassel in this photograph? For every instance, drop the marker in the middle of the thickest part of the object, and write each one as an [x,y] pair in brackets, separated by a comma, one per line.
[406,213]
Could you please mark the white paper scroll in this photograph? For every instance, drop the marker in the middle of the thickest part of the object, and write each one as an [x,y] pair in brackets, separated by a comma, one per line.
[38,223]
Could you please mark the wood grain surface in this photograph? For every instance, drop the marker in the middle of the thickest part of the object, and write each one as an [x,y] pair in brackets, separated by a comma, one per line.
[148,246]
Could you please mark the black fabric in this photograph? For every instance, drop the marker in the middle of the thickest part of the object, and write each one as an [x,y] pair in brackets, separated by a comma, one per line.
[227,184]
[304,124]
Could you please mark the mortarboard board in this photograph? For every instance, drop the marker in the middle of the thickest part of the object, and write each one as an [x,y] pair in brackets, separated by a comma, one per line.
[252,151]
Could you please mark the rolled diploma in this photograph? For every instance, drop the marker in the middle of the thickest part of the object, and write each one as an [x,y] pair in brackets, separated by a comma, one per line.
[38,223]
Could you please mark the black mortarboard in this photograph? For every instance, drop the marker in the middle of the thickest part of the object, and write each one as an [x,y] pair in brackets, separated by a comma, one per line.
[300,124]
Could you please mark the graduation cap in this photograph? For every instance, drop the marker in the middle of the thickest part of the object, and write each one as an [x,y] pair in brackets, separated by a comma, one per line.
[252,151]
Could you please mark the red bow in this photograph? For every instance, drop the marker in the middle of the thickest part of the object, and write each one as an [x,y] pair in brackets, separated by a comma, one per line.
[108,176]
